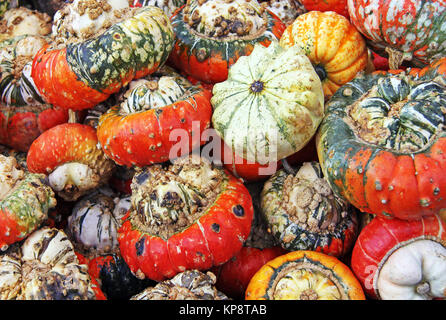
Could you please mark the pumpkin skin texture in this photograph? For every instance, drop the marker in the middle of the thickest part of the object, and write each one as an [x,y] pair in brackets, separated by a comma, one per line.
[20,126]
[303,214]
[24,202]
[271,104]
[413,252]
[142,136]
[249,172]
[233,276]
[70,155]
[215,234]
[413,28]
[338,6]
[331,279]
[208,58]
[333,45]
[253,172]
[83,74]
[400,173]
[436,68]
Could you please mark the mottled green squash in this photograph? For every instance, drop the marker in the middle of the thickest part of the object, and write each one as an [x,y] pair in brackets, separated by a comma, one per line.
[382,142]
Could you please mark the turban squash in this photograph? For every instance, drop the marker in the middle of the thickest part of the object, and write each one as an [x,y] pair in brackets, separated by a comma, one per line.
[402,260]
[212,35]
[304,275]
[24,201]
[190,215]
[381,144]
[143,129]
[411,29]
[303,214]
[82,74]
[45,267]
[23,113]
[69,154]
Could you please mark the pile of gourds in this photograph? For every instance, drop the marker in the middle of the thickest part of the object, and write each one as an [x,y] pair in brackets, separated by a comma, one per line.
[222,149]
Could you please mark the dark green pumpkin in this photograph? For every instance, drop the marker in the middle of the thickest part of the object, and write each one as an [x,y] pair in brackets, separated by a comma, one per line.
[115,278]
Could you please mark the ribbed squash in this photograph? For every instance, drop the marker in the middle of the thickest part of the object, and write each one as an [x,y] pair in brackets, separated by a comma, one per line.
[211,35]
[304,275]
[412,29]
[23,113]
[79,75]
[271,104]
[335,48]
[382,143]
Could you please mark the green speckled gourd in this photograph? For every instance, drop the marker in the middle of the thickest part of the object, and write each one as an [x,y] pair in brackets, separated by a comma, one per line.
[24,201]
[382,143]
[271,104]
[95,68]
[303,214]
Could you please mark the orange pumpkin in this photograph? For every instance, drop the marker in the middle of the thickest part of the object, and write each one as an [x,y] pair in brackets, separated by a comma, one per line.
[334,46]
[304,275]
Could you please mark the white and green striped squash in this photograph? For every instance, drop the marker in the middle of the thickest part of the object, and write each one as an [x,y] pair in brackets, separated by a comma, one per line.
[271,104]
[17,87]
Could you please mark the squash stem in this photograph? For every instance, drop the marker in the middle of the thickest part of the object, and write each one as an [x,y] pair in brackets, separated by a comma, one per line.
[396,58]
[288,168]
[72,118]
